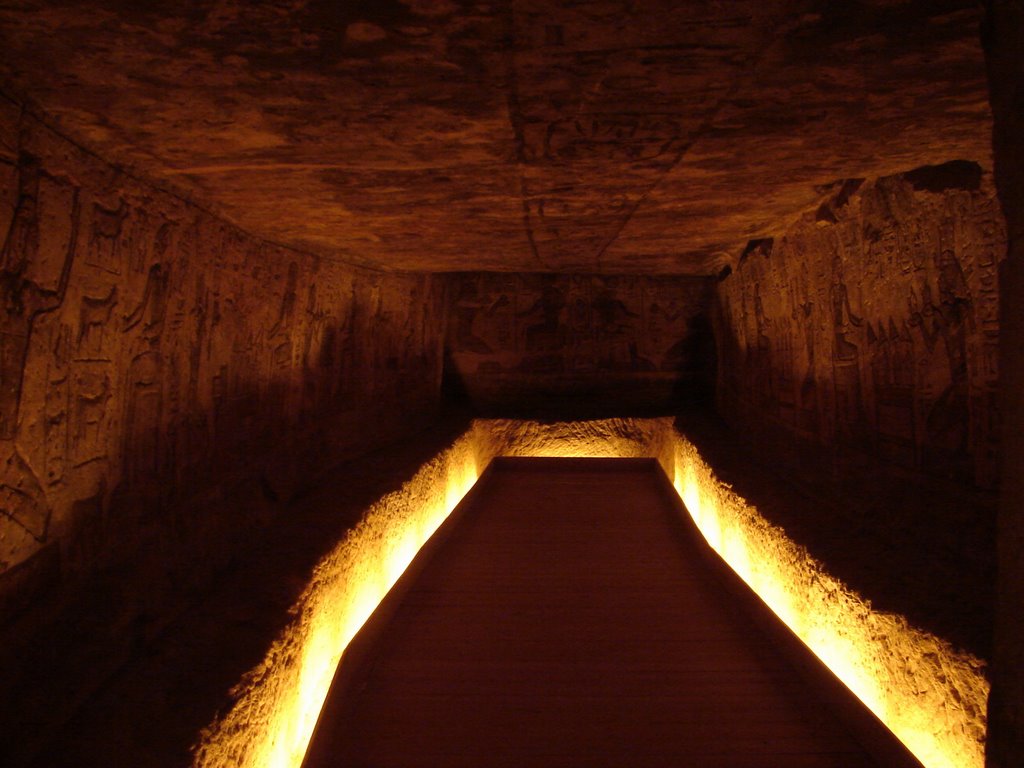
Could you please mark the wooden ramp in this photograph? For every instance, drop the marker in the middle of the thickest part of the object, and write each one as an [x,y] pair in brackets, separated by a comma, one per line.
[568,614]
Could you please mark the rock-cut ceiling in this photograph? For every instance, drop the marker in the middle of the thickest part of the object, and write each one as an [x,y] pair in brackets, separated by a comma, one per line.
[571,135]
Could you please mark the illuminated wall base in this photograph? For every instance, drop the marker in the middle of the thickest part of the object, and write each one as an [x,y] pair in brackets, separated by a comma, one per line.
[279,701]
[930,696]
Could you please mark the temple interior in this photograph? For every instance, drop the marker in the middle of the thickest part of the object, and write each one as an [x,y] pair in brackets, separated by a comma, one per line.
[277,276]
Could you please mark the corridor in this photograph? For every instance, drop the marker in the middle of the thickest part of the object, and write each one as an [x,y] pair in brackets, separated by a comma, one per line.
[569,614]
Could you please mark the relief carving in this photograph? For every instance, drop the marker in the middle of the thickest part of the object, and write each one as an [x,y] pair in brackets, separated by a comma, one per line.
[898,299]
[153,306]
[94,315]
[614,331]
[22,299]
[24,512]
[468,307]
[543,330]
[173,343]
[142,432]
[586,329]
[104,251]
[91,388]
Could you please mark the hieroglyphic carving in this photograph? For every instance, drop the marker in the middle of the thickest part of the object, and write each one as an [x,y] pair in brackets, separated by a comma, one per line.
[142,435]
[94,315]
[894,327]
[288,300]
[148,350]
[315,387]
[153,307]
[587,329]
[850,417]
[29,249]
[542,324]
[24,512]
[91,389]
[105,247]
[55,411]
[892,378]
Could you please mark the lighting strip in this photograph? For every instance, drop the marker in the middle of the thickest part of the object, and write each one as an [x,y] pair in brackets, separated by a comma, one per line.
[929,695]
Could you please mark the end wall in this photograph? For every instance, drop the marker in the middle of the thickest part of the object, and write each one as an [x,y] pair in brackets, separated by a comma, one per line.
[581,344]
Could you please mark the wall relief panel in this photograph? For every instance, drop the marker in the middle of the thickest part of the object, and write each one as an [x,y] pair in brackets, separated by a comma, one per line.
[539,341]
[874,328]
[152,356]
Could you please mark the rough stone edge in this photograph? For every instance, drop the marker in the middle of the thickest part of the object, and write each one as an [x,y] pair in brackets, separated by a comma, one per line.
[930,695]
[276,704]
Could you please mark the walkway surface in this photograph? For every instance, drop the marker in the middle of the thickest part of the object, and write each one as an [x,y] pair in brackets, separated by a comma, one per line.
[569,615]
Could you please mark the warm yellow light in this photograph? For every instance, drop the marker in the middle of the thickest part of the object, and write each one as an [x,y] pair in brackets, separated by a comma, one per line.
[931,697]
[280,701]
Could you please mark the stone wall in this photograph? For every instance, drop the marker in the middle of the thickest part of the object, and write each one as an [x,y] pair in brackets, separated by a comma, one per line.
[872,326]
[165,379]
[569,344]
[1004,38]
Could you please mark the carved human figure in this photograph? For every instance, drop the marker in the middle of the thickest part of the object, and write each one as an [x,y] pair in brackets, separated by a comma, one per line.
[843,320]
[613,321]
[947,421]
[288,300]
[851,423]
[142,423]
[468,307]
[759,354]
[661,320]
[24,512]
[21,299]
[153,306]
[809,386]
[546,335]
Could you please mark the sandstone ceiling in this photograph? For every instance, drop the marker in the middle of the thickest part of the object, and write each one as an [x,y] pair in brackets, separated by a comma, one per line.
[568,135]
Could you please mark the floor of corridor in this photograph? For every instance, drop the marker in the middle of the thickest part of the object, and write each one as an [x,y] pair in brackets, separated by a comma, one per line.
[569,615]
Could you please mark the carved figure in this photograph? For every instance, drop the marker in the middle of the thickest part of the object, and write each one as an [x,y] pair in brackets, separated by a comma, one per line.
[468,307]
[153,306]
[103,240]
[613,322]
[22,300]
[547,335]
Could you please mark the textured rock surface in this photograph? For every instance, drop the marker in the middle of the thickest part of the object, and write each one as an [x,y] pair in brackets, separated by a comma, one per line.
[165,379]
[930,693]
[277,703]
[1005,40]
[928,690]
[276,612]
[157,362]
[170,686]
[873,324]
[603,135]
[146,343]
[565,345]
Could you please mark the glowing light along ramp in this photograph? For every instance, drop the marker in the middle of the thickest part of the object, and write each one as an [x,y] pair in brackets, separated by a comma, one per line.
[569,614]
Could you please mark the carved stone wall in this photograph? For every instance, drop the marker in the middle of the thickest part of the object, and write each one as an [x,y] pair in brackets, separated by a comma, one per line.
[872,326]
[155,361]
[1004,39]
[570,343]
